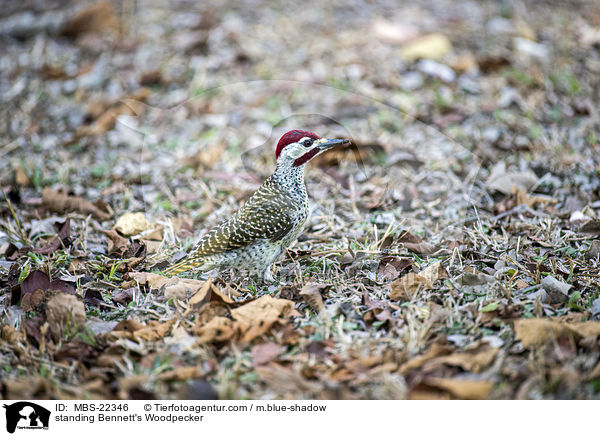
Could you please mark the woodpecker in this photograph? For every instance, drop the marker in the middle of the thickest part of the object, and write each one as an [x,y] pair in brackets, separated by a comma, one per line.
[256,235]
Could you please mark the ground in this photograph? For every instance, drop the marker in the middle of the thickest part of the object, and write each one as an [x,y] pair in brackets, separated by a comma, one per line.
[452,250]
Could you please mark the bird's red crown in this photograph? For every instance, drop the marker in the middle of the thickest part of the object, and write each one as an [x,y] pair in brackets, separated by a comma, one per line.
[291,137]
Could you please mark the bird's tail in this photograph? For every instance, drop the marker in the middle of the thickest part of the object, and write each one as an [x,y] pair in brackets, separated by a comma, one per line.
[184,265]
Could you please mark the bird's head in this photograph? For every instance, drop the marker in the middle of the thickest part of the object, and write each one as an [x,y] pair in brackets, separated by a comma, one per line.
[299,146]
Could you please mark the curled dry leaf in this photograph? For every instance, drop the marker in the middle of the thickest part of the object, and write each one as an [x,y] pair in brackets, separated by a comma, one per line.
[207,293]
[62,239]
[62,203]
[64,311]
[312,295]
[117,244]
[415,244]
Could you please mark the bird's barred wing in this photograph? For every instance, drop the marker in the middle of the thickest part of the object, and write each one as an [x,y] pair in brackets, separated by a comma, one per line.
[266,215]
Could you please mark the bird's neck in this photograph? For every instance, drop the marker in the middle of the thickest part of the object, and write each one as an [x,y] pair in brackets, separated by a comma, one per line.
[290,177]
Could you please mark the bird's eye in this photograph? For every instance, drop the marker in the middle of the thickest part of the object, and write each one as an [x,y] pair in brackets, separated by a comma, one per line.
[308,142]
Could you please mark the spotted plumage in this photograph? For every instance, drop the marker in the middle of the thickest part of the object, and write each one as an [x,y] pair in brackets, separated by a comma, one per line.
[255,236]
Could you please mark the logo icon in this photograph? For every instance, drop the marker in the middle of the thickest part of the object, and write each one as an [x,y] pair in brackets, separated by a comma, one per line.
[26,415]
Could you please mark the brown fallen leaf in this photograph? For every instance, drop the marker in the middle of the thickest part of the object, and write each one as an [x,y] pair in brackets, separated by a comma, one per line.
[38,283]
[257,317]
[64,311]
[462,388]
[22,176]
[469,361]
[182,373]
[416,244]
[61,240]
[207,293]
[218,329]
[105,115]
[416,362]
[94,18]
[117,244]
[312,295]
[133,330]
[390,267]
[62,203]
[408,285]
[434,272]
[248,322]
[538,331]
[264,353]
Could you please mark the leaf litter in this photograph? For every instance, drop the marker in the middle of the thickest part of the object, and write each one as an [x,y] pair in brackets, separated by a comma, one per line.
[452,249]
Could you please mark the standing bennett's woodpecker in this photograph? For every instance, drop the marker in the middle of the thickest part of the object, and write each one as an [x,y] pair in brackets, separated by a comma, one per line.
[255,236]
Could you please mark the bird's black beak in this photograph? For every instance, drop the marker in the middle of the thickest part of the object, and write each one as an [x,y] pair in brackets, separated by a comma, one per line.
[332,143]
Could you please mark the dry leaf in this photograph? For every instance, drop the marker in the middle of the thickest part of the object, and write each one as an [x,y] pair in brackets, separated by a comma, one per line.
[407,286]
[131,224]
[94,18]
[539,331]
[218,329]
[592,227]
[433,46]
[62,239]
[507,182]
[208,292]
[62,203]
[257,317]
[469,361]
[434,272]
[65,311]
[434,351]
[117,245]
[173,286]
[462,388]
[312,295]
[264,353]
[132,105]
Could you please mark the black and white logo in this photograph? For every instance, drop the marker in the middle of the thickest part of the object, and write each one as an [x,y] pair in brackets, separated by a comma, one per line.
[26,415]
